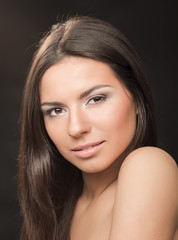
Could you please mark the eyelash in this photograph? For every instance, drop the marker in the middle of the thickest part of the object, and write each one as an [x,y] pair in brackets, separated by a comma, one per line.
[100,97]
[97,98]
[49,111]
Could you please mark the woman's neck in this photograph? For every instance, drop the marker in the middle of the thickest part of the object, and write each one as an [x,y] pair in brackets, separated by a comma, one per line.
[97,183]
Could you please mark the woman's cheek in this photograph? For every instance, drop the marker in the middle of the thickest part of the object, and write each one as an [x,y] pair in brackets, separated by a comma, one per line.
[55,129]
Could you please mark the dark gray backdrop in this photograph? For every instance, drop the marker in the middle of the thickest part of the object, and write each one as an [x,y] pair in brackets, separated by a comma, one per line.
[149,25]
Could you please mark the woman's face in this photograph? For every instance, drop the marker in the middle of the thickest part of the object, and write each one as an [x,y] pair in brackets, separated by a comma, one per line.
[88,114]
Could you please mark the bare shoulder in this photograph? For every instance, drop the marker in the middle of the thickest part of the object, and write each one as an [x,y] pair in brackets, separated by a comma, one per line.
[146,202]
[151,167]
[151,156]
[150,162]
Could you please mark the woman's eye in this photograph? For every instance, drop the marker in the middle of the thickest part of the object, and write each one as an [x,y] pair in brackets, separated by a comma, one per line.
[56,111]
[96,99]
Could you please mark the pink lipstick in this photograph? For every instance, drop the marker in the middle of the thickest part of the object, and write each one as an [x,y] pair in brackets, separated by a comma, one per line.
[87,150]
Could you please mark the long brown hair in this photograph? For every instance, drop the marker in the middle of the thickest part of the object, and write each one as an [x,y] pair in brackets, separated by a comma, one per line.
[49,186]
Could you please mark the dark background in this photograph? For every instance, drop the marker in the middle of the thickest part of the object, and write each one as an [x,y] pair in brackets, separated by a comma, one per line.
[150,26]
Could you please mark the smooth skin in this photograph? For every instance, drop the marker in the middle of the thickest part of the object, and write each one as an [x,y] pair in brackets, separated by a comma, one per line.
[85,104]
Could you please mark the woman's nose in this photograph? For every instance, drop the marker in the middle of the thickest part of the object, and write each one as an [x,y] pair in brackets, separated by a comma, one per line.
[78,123]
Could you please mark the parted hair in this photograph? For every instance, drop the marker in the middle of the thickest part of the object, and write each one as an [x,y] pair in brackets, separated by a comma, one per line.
[49,185]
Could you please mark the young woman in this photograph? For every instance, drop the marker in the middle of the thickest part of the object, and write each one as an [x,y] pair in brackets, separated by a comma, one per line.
[89,168]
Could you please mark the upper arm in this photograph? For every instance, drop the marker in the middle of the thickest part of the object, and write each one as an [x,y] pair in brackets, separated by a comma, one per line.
[146,201]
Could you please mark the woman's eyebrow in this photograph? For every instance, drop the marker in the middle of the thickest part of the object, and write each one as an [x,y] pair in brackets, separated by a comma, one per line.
[82,95]
[54,104]
[90,90]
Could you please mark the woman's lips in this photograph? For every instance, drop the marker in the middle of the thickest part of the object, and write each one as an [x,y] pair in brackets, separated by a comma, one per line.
[87,150]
